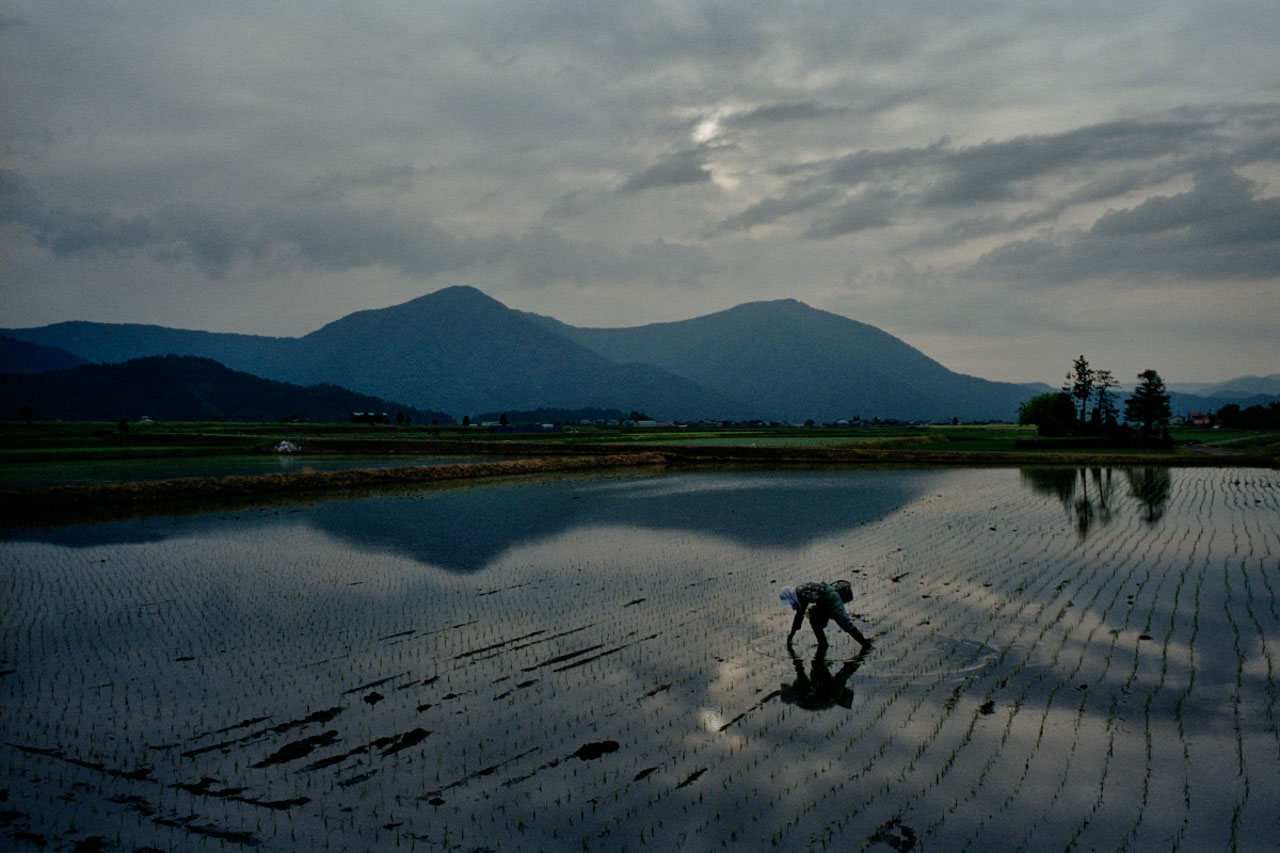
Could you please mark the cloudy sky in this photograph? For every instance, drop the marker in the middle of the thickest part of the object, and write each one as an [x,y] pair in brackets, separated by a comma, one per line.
[1003,185]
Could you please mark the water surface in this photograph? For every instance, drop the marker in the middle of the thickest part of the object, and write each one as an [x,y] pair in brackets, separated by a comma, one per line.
[26,475]
[1067,658]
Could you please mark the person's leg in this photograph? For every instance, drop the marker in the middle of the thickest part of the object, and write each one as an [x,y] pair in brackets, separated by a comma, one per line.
[852,630]
[818,620]
[843,620]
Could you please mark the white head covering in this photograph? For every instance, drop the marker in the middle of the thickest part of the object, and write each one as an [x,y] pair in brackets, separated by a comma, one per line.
[788,596]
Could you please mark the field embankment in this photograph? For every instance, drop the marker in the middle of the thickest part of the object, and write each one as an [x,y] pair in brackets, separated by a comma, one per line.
[45,504]
[570,450]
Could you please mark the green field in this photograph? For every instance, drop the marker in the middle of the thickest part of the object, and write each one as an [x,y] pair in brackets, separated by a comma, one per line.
[65,440]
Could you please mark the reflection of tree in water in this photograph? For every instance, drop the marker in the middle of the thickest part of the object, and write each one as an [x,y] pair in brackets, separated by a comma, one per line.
[819,689]
[1151,486]
[1089,493]
[1086,492]
[1093,503]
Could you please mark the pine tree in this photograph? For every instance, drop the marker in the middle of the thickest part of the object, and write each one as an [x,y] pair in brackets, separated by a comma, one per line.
[1149,403]
[1080,383]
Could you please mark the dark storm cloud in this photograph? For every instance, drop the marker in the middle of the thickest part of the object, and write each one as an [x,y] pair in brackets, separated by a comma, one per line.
[685,167]
[1111,185]
[341,238]
[69,232]
[973,227]
[772,209]
[779,113]
[211,238]
[543,256]
[866,165]
[638,35]
[390,179]
[1215,231]
[871,209]
[338,237]
[1047,174]
[571,204]
[992,171]
[989,171]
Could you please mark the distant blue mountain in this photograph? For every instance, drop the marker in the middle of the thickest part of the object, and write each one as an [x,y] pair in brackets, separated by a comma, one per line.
[460,351]
[24,357]
[456,350]
[795,362]
[1238,388]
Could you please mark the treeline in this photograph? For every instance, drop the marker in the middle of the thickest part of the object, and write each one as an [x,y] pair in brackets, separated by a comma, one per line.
[553,416]
[1254,417]
[1086,406]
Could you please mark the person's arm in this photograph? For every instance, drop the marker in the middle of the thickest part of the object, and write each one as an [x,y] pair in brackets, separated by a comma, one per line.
[798,621]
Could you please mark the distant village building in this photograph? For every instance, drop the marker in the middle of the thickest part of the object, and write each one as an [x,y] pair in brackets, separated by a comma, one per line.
[1200,419]
[370,418]
[514,429]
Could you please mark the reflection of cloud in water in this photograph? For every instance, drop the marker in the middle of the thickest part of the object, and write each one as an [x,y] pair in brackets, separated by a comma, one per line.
[946,659]
[996,687]
[464,530]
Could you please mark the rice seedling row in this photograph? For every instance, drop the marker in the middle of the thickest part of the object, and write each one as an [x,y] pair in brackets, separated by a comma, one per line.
[1062,660]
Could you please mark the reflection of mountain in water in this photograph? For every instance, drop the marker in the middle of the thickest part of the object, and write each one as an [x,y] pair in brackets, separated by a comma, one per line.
[1090,493]
[141,530]
[463,530]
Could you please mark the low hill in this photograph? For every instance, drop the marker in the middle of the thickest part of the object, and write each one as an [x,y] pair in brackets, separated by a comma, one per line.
[1240,387]
[181,388]
[24,357]
[796,362]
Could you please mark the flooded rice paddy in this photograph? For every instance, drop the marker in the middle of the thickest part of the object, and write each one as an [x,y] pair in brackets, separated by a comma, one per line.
[22,475]
[1064,659]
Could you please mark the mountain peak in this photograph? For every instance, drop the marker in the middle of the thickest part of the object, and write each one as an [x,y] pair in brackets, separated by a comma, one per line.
[459,294]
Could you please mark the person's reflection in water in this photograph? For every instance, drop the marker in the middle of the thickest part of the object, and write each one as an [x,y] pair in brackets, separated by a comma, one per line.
[819,689]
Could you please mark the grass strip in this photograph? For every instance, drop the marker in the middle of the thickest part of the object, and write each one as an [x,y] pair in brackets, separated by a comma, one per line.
[18,506]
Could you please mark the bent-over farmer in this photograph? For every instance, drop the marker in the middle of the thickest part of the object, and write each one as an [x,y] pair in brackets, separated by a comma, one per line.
[824,602]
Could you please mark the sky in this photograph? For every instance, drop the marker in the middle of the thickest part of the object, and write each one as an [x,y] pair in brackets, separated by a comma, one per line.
[1002,185]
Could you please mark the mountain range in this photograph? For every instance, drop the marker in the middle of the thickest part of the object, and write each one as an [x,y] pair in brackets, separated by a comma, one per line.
[187,387]
[460,351]
[1241,386]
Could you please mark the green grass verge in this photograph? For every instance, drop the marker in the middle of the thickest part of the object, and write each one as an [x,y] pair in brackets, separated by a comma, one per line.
[69,441]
